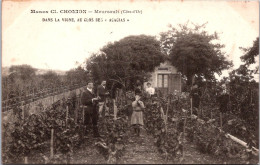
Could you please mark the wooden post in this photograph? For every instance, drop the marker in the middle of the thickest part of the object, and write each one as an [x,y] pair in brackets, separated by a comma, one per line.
[76,111]
[33,95]
[7,100]
[23,113]
[221,120]
[116,95]
[80,94]
[83,114]
[184,125]
[52,134]
[121,95]
[180,83]
[176,124]
[67,115]
[67,158]
[162,113]
[115,109]
[191,105]
[192,82]
[25,160]
[166,116]
[20,95]
[251,96]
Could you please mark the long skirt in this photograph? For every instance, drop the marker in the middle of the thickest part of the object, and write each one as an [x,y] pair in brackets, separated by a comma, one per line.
[137,118]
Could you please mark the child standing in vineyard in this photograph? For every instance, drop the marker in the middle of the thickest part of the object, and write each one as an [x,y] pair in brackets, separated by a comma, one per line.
[137,115]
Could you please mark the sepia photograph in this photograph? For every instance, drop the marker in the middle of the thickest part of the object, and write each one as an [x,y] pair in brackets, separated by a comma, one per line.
[130,82]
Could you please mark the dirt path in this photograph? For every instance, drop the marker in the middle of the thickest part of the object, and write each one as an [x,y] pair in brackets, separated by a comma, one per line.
[141,150]
[87,153]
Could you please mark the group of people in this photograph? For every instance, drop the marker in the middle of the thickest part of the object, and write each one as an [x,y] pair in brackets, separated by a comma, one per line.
[93,105]
[90,101]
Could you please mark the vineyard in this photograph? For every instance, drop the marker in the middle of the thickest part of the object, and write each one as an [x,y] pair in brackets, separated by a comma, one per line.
[55,135]
[35,95]
[198,88]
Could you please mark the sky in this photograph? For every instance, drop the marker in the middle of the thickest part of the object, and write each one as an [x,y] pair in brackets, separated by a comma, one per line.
[26,39]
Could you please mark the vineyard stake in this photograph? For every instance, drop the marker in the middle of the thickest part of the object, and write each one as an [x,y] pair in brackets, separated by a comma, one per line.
[52,98]
[33,94]
[76,111]
[7,97]
[115,109]
[162,113]
[22,111]
[83,111]
[67,158]
[67,115]
[166,116]
[221,120]
[176,124]
[184,125]
[52,134]
[25,160]
[211,115]
[191,105]
[184,128]
[200,109]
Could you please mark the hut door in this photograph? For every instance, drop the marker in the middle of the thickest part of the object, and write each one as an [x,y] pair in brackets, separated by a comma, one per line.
[174,83]
[162,85]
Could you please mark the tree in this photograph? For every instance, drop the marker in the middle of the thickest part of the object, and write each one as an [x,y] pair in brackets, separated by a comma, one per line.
[24,72]
[125,61]
[251,53]
[194,52]
[52,78]
[244,93]
[77,75]
[20,77]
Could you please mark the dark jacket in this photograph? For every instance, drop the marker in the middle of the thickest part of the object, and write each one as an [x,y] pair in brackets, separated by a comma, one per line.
[223,101]
[101,92]
[86,101]
[196,94]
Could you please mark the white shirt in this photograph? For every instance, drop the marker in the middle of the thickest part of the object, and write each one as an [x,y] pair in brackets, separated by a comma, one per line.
[90,90]
[150,90]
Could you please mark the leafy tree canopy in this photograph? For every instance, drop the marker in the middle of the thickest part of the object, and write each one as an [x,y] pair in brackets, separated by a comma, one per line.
[193,51]
[51,77]
[251,53]
[25,72]
[77,75]
[126,60]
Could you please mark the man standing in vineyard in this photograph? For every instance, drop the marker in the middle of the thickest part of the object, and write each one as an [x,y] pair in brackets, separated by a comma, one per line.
[223,101]
[102,93]
[89,102]
[195,94]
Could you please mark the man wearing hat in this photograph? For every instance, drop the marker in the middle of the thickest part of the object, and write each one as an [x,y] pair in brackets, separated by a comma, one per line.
[89,102]
[102,93]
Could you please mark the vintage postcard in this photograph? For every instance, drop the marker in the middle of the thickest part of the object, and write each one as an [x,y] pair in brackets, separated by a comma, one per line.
[130,82]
